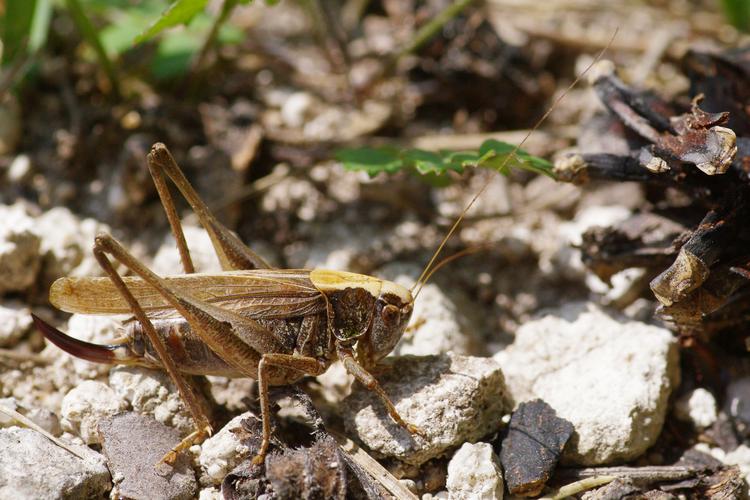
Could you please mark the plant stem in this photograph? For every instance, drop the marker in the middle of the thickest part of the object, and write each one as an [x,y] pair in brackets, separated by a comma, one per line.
[429,30]
[226,10]
[91,35]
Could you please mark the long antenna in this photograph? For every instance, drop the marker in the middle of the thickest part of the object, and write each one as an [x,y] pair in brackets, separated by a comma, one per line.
[424,276]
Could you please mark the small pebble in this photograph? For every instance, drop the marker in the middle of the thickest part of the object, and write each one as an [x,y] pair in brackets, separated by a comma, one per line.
[86,405]
[222,452]
[474,473]
[451,398]
[697,407]
[33,467]
[152,392]
[15,322]
[19,249]
[609,376]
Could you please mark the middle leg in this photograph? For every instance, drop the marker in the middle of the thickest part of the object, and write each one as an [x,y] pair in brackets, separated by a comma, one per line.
[303,364]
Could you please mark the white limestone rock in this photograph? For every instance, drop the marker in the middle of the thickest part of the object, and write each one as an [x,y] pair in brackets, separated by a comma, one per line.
[474,473]
[697,407]
[42,417]
[66,244]
[19,249]
[609,376]
[83,408]
[222,452]
[151,392]
[451,398]
[15,322]
[32,467]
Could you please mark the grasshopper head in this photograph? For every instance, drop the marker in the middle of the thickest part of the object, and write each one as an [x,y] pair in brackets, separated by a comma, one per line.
[393,308]
[366,310]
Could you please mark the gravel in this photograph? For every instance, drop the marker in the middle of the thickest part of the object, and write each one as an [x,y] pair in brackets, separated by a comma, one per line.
[474,473]
[66,244]
[222,452]
[151,392]
[19,249]
[451,398]
[609,376]
[32,467]
[697,407]
[15,322]
[86,405]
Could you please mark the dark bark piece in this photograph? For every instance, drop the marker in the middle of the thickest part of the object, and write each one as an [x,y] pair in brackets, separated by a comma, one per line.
[314,473]
[643,240]
[716,237]
[724,484]
[138,465]
[643,112]
[695,137]
[700,140]
[722,78]
[616,490]
[530,451]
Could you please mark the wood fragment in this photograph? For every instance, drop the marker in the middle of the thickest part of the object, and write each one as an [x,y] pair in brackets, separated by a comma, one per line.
[579,486]
[530,451]
[373,467]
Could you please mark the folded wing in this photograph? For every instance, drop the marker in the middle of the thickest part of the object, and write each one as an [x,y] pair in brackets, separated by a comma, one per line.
[266,293]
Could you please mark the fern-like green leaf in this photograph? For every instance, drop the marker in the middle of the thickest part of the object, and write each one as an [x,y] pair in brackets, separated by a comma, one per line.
[180,12]
[491,154]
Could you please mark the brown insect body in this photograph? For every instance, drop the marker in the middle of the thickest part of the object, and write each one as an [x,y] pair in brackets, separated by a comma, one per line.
[308,319]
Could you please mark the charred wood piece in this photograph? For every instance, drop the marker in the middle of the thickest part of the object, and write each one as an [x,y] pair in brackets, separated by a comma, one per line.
[701,274]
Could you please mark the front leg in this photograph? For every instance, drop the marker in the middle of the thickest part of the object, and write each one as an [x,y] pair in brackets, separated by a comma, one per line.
[365,378]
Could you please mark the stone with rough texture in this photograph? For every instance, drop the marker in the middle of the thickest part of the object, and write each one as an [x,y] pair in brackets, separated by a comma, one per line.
[19,249]
[202,253]
[451,398]
[42,417]
[135,467]
[32,467]
[533,446]
[697,407]
[66,244]
[223,451]
[609,376]
[151,392]
[87,404]
[15,321]
[474,474]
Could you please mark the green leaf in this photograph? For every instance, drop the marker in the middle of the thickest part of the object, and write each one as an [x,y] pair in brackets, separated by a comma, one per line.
[16,27]
[174,54]
[426,162]
[492,154]
[371,160]
[125,24]
[180,12]
[40,24]
[738,13]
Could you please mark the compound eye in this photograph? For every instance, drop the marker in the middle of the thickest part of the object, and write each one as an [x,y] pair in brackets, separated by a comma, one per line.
[390,314]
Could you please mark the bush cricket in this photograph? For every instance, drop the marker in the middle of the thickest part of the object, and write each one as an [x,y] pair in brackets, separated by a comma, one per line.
[273,325]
